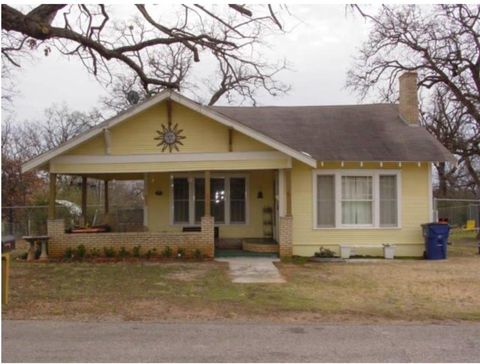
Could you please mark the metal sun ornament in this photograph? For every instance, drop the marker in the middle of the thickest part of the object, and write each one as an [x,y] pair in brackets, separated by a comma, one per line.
[170,137]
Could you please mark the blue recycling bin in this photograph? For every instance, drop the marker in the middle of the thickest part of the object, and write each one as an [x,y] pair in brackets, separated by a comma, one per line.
[436,240]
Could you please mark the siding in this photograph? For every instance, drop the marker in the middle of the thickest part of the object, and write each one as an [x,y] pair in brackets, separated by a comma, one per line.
[414,211]
[202,134]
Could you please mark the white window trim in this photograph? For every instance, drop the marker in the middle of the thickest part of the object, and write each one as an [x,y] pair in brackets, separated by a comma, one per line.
[191,188]
[375,174]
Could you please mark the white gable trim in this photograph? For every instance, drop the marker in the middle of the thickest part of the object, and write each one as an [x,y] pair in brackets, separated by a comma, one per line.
[204,110]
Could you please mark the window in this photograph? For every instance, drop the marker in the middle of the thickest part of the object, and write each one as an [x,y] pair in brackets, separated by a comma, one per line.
[217,199]
[388,201]
[237,200]
[199,199]
[356,198]
[326,201]
[228,202]
[180,200]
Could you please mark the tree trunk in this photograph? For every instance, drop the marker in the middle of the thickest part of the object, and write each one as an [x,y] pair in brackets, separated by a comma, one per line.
[442,179]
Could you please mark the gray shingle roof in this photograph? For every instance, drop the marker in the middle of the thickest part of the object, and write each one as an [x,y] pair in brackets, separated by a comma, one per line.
[372,132]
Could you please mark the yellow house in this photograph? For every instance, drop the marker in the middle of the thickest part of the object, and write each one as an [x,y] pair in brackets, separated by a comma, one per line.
[276,179]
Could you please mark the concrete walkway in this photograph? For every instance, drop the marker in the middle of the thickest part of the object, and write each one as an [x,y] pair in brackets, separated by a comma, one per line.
[253,270]
[120,342]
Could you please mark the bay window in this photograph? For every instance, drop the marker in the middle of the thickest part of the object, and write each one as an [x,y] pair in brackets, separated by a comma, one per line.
[356,198]
[228,199]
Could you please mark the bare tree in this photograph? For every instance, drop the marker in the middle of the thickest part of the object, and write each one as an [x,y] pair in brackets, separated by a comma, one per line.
[58,125]
[442,44]
[455,128]
[22,141]
[152,51]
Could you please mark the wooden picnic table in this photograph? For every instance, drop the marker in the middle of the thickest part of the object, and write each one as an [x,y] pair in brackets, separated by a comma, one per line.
[42,240]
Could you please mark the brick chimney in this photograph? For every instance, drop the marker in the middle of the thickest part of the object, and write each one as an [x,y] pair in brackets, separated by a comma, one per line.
[408,98]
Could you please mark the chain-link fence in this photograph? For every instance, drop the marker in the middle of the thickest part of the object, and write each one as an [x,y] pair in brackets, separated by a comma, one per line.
[461,213]
[32,220]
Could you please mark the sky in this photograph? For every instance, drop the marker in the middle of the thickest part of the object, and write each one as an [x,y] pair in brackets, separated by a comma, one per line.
[319,47]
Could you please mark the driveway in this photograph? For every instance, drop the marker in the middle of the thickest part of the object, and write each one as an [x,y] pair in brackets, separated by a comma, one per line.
[60,341]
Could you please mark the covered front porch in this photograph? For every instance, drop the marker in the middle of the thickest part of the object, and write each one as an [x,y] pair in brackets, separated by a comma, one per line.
[208,211]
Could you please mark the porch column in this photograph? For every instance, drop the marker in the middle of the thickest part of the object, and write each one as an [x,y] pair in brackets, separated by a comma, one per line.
[84,201]
[285,234]
[207,194]
[105,196]
[52,196]
[288,187]
[145,201]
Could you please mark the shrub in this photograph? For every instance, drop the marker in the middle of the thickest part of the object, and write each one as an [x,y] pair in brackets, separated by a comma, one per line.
[150,253]
[68,253]
[94,252]
[180,253]
[123,253]
[167,252]
[109,252]
[197,254]
[81,251]
[136,251]
[325,253]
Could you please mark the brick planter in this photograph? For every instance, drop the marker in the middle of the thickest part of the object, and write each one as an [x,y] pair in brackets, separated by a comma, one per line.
[189,241]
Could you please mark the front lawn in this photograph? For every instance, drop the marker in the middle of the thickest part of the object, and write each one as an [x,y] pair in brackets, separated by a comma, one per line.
[404,290]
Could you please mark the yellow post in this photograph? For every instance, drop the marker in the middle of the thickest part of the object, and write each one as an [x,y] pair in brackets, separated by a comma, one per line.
[288,183]
[5,277]
[84,201]
[207,193]
[106,206]
[52,196]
